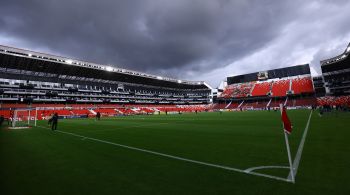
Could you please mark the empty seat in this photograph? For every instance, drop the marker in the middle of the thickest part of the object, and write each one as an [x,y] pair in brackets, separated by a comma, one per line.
[280,88]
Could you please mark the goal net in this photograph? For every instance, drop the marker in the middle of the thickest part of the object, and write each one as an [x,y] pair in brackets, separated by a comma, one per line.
[23,118]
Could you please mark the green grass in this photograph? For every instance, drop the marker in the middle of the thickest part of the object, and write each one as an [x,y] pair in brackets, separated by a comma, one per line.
[39,161]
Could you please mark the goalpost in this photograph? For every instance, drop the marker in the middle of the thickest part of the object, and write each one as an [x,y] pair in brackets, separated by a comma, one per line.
[24,118]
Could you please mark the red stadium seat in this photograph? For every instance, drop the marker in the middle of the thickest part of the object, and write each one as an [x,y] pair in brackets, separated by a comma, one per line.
[302,85]
[333,101]
[261,89]
[81,112]
[280,88]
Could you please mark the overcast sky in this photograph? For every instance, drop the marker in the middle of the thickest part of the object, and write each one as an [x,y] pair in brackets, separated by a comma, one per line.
[186,39]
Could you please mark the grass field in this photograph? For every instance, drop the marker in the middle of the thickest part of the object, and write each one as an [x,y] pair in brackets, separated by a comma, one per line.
[83,158]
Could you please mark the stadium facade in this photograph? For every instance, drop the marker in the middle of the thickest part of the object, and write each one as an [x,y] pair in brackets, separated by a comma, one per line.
[336,73]
[336,78]
[32,77]
[41,80]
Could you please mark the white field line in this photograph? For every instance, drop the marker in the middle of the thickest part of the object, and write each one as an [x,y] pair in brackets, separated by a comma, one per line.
[173,157]
[265,167]
[130,127]
[300,149]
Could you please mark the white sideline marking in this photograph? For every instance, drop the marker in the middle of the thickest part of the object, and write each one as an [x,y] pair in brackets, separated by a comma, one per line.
[265,167]
[175,157]
[130,127]
[300,149]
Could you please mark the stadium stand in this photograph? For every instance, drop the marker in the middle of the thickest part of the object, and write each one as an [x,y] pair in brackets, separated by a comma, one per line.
[255,105]
[32,79]
[218,106]
[242,89]
[276,103]
[228,92]
[334,101]
[336,75]
[319,86]
[261,89]
[233,105]
[301,101]
[292,86]
[81,112]
[75,88]
[280,88]
[302,85]
[106,111]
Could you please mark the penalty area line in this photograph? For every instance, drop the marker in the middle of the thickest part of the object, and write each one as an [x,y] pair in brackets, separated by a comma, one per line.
[174,157]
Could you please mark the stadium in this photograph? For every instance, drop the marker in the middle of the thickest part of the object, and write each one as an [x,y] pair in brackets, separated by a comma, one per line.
[163,121]
[74,120]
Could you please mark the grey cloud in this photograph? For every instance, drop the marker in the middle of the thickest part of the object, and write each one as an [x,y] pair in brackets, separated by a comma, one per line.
[183,38]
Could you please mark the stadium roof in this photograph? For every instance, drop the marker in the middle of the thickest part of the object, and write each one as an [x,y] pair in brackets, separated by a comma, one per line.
[290,71]
[338,58]
[20,59]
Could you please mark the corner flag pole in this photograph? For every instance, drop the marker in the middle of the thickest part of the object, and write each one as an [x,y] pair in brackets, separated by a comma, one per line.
[288,150]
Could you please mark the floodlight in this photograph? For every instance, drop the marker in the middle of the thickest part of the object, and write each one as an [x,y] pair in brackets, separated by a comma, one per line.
[108,68]
[69,61]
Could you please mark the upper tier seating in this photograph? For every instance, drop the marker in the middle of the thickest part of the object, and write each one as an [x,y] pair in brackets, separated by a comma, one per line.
[261,89]
[242,89]
[280,88]
[228,92]
[237,90]
[302,85]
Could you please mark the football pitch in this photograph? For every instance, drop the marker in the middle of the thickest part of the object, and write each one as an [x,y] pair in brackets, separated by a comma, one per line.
[204,153]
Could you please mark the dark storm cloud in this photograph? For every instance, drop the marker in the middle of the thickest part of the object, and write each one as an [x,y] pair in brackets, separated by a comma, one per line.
[191,39]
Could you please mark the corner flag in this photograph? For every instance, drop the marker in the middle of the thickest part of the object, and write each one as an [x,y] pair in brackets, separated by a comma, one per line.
[287,125]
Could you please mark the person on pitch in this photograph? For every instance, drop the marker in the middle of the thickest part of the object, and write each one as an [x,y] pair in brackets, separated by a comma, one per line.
[49,122]
[54,122]
[98,116]
[2,119]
